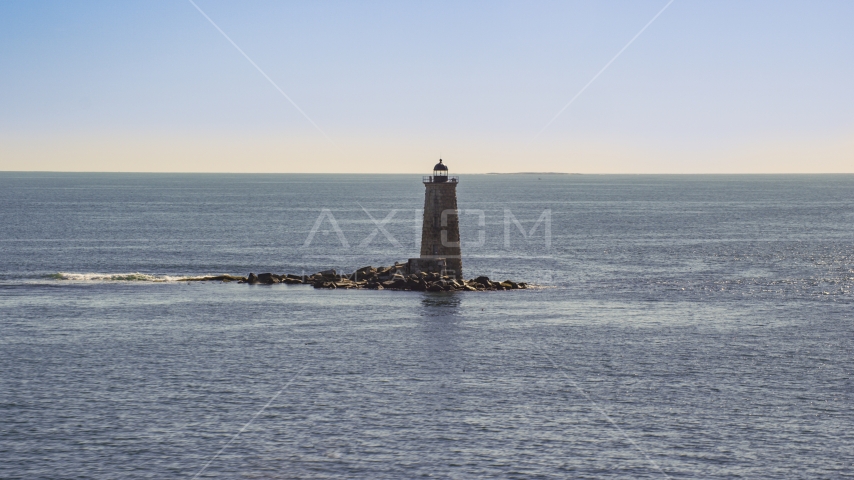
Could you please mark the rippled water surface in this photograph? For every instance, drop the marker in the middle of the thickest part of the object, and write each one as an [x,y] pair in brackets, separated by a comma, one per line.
[684,327]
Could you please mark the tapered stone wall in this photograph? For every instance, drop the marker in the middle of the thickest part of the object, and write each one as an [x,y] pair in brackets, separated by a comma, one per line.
[440,231]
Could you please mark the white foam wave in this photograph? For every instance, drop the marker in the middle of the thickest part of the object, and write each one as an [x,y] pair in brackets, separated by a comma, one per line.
[121,277]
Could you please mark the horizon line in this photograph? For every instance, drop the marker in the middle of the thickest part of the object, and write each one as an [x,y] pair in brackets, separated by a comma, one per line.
[422,174]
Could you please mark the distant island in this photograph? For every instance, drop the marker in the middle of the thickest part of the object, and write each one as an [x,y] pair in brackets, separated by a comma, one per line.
[533,173]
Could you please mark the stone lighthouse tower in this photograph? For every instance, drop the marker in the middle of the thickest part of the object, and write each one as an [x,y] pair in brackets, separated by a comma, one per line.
[440,231]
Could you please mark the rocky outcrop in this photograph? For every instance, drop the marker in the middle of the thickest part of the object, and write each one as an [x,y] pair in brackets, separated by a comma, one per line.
[394,277]
[268,278]
[217,278]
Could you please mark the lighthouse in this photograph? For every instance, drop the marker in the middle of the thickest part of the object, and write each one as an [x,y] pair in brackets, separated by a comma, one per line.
[440,230]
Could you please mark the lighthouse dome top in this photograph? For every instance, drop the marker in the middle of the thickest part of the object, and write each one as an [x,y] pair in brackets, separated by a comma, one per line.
[440,175]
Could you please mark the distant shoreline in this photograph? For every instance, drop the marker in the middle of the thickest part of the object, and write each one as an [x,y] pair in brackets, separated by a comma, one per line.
[533,173]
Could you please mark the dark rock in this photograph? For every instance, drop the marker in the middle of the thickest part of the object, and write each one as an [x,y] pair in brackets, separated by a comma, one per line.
[396,277]
[399,284]
[364,273]
[217,278]
[268,278]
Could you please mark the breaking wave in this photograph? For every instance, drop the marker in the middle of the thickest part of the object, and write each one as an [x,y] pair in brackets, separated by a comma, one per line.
[135,277]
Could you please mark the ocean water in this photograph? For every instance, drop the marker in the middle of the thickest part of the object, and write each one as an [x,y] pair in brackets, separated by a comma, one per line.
[682,327]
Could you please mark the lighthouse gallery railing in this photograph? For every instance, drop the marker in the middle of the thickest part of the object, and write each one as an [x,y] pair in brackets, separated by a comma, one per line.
[440,179]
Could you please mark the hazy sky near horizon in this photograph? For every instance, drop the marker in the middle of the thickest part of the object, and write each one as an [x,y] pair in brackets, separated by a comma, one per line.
[710,86]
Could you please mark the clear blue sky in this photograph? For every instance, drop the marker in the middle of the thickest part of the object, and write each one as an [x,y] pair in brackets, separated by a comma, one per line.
[396,84]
